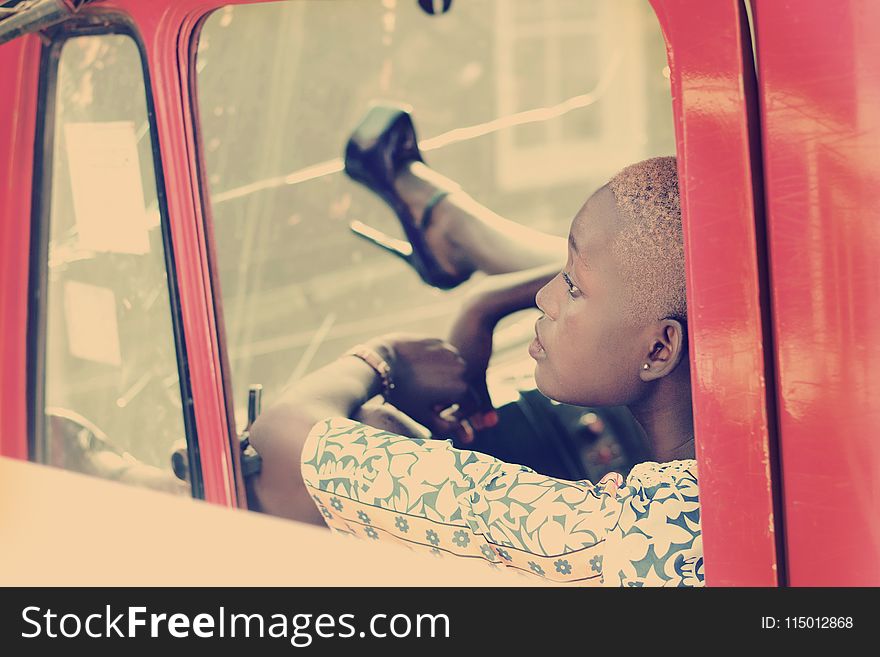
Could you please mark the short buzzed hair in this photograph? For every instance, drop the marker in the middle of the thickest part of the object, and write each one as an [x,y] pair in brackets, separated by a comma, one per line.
[649,246]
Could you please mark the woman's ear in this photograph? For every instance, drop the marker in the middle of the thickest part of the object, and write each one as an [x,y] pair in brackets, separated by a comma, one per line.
[667,348]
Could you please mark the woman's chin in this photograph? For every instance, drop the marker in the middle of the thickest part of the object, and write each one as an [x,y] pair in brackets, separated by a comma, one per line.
[549,386]
[544,383]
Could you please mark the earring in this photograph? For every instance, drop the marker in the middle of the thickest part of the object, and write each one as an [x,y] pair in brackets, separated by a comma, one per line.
[645,366]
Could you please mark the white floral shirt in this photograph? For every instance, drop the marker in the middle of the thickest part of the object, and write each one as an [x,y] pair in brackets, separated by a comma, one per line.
[428,495]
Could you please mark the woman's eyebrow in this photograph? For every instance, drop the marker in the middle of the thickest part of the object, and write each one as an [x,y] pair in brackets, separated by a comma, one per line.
[572,243]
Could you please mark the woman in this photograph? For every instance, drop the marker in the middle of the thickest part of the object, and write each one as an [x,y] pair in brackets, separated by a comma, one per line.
[616,310]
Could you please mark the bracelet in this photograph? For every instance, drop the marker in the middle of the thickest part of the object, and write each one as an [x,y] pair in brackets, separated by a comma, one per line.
[379,364]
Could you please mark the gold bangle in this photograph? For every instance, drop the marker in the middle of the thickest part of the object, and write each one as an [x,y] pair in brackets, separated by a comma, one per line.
[379,364]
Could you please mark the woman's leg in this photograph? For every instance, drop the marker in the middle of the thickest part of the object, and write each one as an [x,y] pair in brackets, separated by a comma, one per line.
[466,236]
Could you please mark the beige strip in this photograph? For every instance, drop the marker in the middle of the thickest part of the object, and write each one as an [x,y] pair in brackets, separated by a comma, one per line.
[62,528]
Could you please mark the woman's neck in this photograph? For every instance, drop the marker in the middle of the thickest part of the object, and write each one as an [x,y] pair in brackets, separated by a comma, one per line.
[667,417]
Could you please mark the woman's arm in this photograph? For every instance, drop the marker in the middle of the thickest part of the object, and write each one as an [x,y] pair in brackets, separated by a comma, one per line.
[429,377]
[504,294]
[280,432]
[495,298]
[427,373]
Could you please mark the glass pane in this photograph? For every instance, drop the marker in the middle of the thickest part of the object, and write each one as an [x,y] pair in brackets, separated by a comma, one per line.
[280,87]
[112,394]
[531,58]
[579,75]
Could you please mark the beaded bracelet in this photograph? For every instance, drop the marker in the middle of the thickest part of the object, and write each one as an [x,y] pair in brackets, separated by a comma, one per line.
[374,360]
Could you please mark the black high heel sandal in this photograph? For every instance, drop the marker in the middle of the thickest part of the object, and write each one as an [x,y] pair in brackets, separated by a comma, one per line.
[381,144]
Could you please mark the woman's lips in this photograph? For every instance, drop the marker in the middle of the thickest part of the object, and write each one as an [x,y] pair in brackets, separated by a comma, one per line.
[536,348]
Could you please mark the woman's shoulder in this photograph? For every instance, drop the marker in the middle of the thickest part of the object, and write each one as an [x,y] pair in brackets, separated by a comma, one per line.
[643,475]
[657,540]
[650,474]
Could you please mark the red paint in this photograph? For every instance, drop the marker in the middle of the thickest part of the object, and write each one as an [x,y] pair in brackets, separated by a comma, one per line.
[19,64]
[819,67]
[714,145]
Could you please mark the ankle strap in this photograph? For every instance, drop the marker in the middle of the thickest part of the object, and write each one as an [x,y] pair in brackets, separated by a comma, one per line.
[438,196]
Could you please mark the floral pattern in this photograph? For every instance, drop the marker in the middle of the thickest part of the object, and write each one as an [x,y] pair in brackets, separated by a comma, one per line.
[644,531]
[536,568]
[562,566]
[461,538]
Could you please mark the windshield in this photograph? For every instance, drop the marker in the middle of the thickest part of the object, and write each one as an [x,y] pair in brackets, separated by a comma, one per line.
[531,105]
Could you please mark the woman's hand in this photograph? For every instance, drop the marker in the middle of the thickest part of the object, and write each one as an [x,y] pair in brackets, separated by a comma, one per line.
[428,376]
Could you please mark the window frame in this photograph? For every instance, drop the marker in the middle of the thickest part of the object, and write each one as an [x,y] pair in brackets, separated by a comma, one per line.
[730,331]
[58,36]
[821,220]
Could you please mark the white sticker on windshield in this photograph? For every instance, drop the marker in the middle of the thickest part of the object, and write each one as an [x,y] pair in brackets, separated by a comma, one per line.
[105,177]
[92,329]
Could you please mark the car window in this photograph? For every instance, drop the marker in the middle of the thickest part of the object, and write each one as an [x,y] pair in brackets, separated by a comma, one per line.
[529,104]
[111,392]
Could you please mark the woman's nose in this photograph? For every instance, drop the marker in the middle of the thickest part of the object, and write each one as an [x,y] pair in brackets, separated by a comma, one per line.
[542,299]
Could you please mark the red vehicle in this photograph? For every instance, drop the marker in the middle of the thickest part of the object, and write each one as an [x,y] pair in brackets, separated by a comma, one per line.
[159,160]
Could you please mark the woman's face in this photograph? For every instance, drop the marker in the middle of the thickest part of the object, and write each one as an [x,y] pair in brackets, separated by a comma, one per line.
[588,350]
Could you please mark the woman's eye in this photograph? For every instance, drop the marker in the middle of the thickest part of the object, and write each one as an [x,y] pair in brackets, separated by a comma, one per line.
[572,288]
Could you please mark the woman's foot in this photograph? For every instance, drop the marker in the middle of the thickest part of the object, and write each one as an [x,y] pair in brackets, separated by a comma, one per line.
[382,146]
[417,185]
